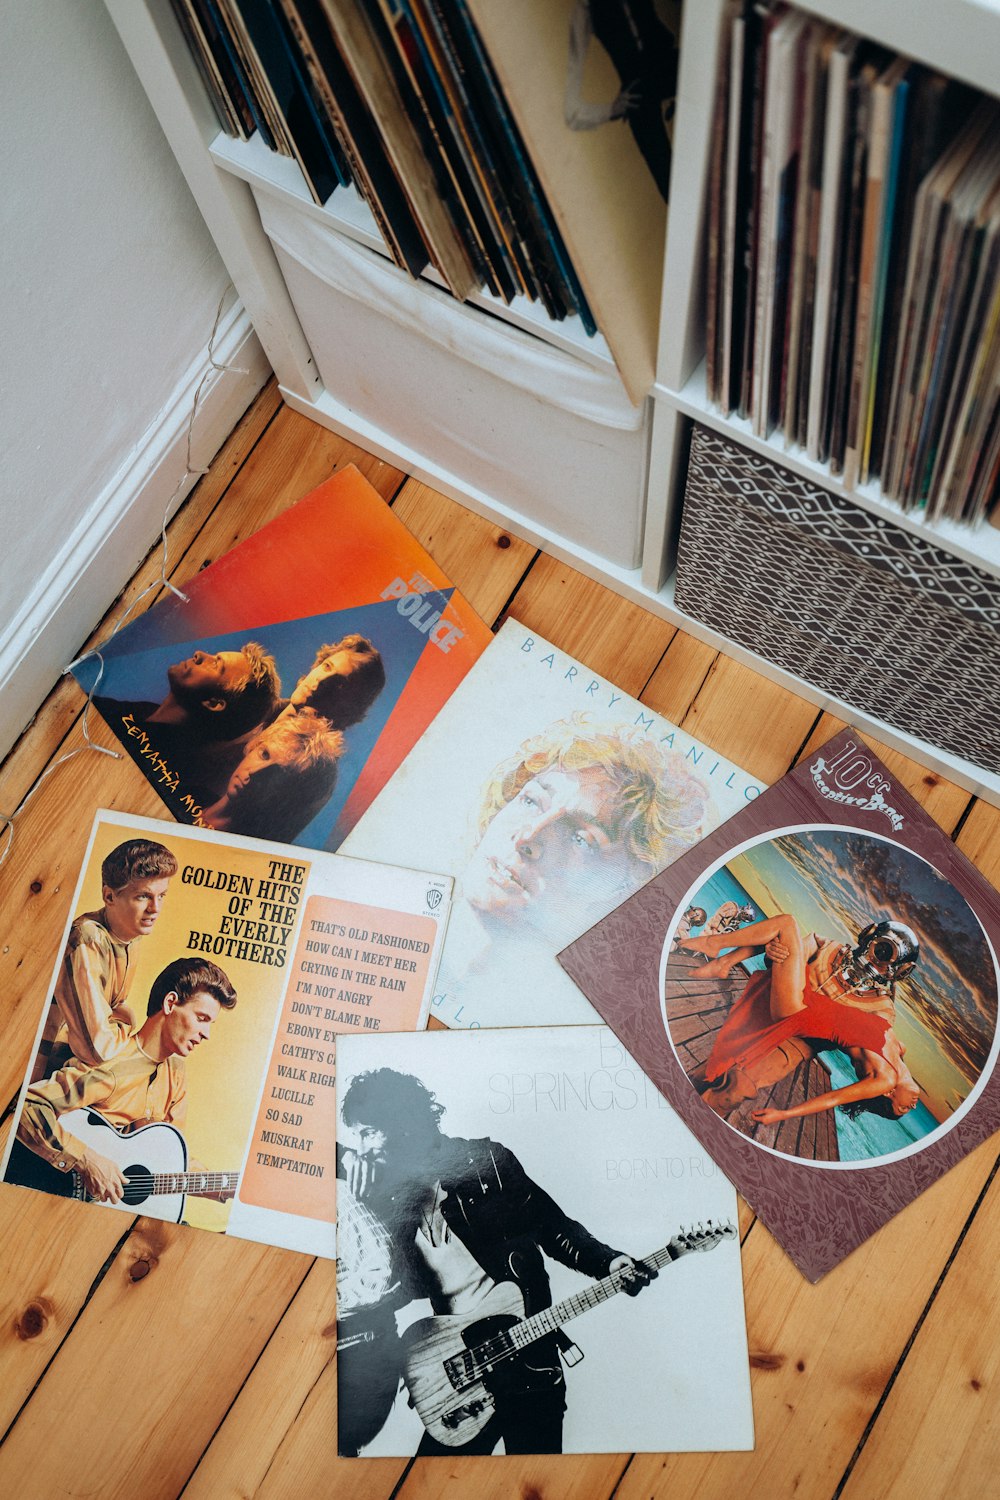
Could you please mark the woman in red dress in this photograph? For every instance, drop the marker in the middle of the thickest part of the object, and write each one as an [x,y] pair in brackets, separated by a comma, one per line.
[784,1002]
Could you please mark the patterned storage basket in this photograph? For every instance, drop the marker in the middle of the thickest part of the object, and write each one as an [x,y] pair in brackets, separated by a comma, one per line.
[859,607]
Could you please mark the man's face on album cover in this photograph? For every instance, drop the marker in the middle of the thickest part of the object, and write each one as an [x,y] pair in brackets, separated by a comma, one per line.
[267,749]
[551,853]
[186,1025]
[308,690]
[133,911]
[208,677]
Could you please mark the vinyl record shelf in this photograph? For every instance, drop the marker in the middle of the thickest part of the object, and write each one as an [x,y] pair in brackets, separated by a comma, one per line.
[962,40]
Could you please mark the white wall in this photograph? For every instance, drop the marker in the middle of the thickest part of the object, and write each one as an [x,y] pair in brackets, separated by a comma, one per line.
[108,287]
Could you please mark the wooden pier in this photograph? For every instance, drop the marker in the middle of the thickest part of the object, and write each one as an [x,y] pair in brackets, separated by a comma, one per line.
[696,1010]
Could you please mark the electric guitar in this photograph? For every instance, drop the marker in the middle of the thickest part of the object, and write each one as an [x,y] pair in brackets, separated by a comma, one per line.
[151,1158]
[453,1365]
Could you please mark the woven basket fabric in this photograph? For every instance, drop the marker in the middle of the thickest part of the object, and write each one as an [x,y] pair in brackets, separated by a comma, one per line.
[835,595]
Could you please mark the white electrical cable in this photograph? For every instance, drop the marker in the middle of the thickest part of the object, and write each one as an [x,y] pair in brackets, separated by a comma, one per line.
[7,820]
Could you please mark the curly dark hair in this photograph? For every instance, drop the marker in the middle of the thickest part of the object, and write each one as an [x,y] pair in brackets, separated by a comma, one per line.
[387,1100]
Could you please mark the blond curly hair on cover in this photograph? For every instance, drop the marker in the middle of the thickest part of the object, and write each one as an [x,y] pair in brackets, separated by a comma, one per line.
[249,703]
[660,806]
[283,797]
[303,739]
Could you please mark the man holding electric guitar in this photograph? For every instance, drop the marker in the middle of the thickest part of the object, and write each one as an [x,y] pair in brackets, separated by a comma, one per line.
[469,1228]
[143,1083]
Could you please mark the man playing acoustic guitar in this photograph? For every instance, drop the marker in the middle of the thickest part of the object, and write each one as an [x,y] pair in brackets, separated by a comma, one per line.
[143,1082]
[464,1217]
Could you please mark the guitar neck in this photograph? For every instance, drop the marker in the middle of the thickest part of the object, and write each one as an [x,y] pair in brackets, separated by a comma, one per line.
[551,1318]
[196,1184]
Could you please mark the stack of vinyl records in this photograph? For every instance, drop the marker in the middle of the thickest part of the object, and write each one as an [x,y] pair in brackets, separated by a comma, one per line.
[399,97]
[854,260]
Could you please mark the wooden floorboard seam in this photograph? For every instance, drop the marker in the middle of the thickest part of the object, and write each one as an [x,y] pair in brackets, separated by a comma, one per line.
[621,1478]
[509,601]
[922,1318]
[243,1383]
[694,696]
[808,736]
[966,815]
[90,1293]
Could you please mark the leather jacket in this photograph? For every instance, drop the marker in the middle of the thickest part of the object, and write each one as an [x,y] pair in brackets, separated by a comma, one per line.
[506,1221]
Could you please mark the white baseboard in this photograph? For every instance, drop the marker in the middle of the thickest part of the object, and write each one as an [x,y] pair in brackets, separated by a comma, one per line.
[96,561]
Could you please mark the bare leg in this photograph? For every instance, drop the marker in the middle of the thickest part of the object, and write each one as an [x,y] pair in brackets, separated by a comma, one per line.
[788,977]
[754,935]
[723,966]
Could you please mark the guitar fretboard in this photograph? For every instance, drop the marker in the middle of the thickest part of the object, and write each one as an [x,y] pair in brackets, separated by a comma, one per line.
[196,1183]
[521,1334]
[551,1318]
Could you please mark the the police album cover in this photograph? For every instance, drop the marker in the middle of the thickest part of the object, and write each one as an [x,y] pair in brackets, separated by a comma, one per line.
[277,698]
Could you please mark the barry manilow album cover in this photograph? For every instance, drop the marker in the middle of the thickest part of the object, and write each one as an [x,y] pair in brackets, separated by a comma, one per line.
[184,1062]
[550,796]
[534,1255]
[280,696]
[837,1052]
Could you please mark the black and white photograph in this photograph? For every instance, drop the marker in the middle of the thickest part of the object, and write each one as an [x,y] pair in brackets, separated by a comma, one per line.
[533,1254]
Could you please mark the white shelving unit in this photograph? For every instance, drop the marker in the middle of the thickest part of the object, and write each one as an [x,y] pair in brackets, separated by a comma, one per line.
[962,38]
[347,212]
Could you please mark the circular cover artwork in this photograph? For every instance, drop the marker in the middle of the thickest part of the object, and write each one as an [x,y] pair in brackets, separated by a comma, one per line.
[831,996]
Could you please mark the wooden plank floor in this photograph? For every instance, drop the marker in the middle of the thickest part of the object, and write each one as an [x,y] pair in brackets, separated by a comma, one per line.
[142,1360]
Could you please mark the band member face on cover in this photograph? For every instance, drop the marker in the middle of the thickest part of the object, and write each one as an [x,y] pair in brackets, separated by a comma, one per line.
[209,676]
[343,681]
[575,820]
[229,691]
[286,775]
[187,1023]
[337,664]
[393,1137]
[185,999]
[262,753]
[133,912]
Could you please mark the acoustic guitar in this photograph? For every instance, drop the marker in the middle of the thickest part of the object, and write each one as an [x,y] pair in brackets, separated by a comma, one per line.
[452,1365]
[151,1158]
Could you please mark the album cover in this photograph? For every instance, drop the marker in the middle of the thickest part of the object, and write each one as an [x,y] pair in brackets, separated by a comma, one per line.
[533,1254]
[550,796]
[835,1054]
[184,1062]
[278,699]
